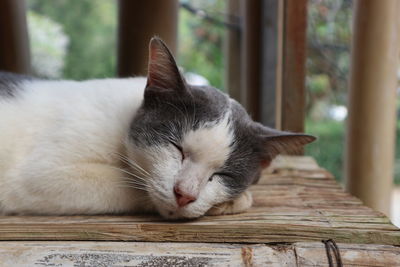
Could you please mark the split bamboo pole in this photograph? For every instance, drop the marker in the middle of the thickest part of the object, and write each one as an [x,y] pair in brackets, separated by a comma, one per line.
[372,102]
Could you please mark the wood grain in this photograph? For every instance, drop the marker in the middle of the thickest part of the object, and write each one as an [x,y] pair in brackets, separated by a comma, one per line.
[294,201]
[189,254]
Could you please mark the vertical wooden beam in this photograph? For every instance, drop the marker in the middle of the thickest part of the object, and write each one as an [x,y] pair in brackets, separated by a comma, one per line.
[251,57]
[14,40]
[372,102]
[271,61]
[138,22]
[279,64]
[233,59]
[292,110]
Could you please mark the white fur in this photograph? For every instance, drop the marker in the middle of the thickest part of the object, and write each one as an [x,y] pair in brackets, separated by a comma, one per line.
[58,142]
[206,149]
[60,153]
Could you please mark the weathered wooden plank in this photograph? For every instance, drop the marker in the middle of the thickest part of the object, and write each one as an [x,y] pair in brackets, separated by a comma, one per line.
[295,163]
[290,205]
[314,254]
[189,254]
[235,230]
[137,254]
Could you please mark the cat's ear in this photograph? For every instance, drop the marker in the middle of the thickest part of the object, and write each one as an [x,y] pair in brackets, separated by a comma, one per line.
[280,142]
[163,73]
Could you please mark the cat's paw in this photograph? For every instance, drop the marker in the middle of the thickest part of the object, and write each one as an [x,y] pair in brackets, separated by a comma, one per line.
[237,205]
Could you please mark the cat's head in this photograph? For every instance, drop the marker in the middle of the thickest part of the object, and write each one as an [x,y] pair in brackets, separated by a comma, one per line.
[197,146]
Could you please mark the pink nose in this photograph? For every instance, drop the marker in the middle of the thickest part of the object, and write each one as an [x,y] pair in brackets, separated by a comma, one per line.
[183,198]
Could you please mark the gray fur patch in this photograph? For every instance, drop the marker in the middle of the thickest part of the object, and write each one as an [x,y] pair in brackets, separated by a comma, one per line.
[10,83]
[243,165]
[165,115]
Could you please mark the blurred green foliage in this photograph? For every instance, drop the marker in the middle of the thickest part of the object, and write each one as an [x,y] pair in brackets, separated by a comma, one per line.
[201,42]
[328,51]
[328,149]
[48,45]
[91,28]
[318,84]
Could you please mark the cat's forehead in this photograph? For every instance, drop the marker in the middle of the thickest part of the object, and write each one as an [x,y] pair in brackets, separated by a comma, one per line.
[210,143]
[211,104]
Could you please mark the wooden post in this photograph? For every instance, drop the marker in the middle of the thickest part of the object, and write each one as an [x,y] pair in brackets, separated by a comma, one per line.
[292,94]
[271,66]
[14,44]
[251,57]
[279,64]
[138,22]
[372,102]
[273,56]
[233,59]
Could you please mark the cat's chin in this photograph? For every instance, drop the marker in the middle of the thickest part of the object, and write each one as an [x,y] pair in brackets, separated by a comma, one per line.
[176,213]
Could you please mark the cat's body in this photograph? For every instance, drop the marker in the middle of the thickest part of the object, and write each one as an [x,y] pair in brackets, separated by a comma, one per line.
[49,130]
[127,145]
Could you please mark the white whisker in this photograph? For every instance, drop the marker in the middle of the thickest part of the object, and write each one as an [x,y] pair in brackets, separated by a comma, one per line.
[133,164]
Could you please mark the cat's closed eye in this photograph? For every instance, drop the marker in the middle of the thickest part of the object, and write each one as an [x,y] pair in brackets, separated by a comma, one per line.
[180,149]
[219,174]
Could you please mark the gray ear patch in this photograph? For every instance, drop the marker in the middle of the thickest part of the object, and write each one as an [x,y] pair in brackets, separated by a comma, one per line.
[163,72]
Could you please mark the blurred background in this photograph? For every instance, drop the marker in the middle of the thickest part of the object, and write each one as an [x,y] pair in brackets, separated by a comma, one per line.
[80,44]
[77,40]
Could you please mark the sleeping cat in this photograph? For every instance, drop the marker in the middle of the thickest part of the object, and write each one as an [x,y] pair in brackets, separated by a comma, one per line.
[129,145]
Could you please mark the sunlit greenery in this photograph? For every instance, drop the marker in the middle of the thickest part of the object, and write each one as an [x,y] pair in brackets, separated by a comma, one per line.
[91,28]
[329,36]
[200,46]
[329,148]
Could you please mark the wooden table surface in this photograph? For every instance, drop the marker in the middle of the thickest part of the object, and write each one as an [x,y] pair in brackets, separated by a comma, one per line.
[296,206]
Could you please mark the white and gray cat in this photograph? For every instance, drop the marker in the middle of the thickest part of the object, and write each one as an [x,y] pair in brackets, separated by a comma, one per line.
[129,145]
